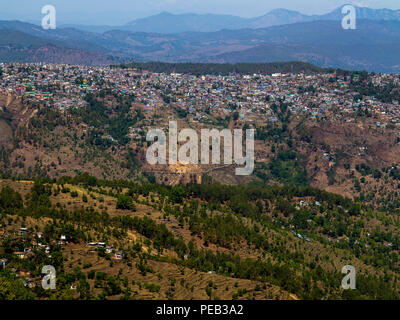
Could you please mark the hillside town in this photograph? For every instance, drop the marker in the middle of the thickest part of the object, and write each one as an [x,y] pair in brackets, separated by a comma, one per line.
[326,165]
[315,95]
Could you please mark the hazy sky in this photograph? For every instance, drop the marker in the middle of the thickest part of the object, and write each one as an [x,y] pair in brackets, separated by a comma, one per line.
[121,11]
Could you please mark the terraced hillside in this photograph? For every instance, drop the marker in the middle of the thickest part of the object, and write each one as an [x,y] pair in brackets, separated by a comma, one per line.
[120,240]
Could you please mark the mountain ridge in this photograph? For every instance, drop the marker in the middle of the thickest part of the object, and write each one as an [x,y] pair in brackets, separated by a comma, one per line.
[167,22]
[17,46]
[373,46]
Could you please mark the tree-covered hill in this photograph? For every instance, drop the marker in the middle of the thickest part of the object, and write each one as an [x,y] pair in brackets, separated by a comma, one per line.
[277,242]
[224,68]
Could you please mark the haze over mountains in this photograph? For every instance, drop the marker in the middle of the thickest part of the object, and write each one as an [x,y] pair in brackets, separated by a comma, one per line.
[166,22]
[280,35]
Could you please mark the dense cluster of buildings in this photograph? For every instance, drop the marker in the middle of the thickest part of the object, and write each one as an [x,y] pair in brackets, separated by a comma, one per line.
[319,95]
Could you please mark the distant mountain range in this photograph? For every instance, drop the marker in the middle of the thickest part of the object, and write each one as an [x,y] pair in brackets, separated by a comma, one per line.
[166,22]
[373,46]
[16,46]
